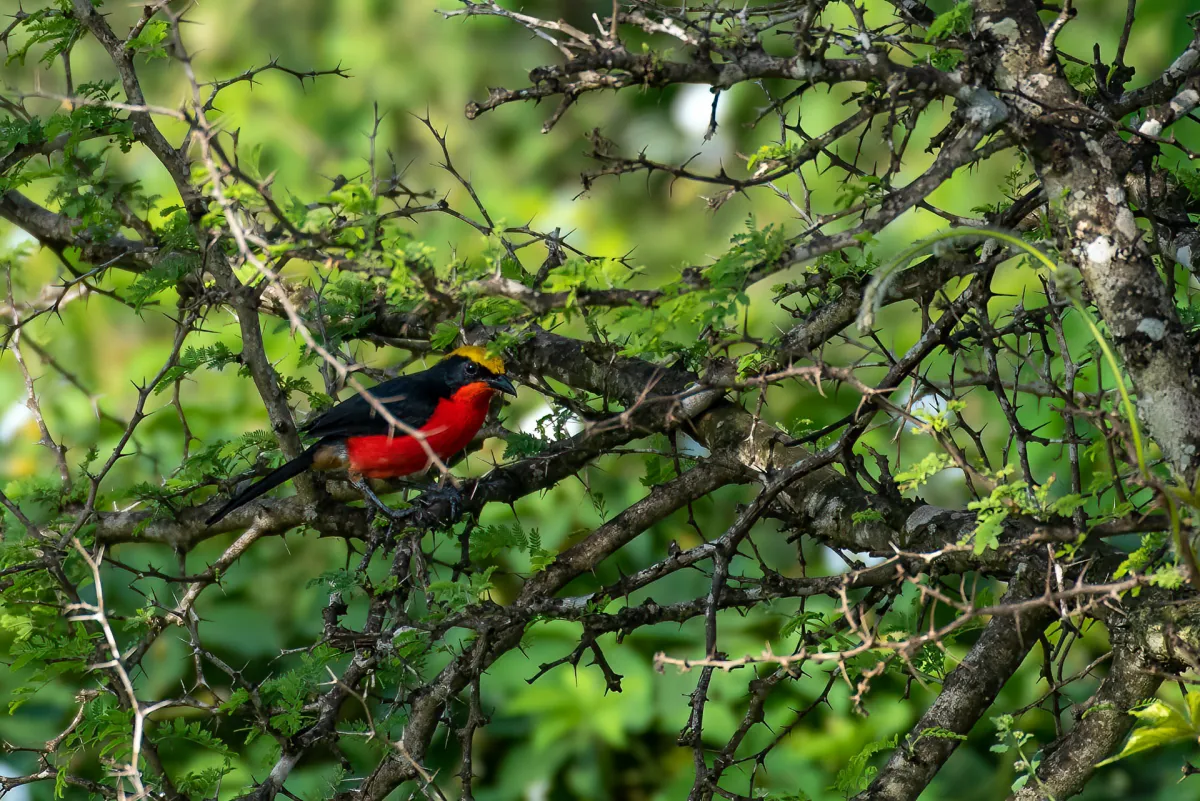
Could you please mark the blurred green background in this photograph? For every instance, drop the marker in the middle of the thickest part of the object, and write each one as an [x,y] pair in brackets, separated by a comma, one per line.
[562,737]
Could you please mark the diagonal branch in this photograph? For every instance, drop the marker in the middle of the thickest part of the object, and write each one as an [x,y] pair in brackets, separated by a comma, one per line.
[966,695]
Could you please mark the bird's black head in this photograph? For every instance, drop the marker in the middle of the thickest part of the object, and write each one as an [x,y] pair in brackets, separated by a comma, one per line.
[471,365]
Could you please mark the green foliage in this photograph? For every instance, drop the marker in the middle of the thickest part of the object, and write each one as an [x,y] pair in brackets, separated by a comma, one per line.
[519,445]
[658,330]
[785,152]
[868,189]
[853,263]
[917,474]
[191,732]
[578,273]
[1016,181]
[1159,724]
[488,541]
[210,357]
[176,231]
[939,422]
[945,60]
[1015,497]
[660,469]
[751,363]
[150,41]
[1169,577]
[751,248]
[443,336]
[931,662]
[1189,313]
[104,726]
[1082,77]
[937,733]
[857,774]
[803,622]
[990,514]
[52,26]
[1139,559]
[344,308]
[1010,738]
[236,700]
[16,132]
[201,784]
[410,645]
[289,692]
[955,22]
[367,248]
[1187,176]
[456,596]
[163,276]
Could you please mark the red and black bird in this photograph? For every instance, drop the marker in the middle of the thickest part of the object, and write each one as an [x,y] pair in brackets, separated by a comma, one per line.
[446,404]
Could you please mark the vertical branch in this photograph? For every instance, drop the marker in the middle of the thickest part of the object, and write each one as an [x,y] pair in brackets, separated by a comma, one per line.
[31,398]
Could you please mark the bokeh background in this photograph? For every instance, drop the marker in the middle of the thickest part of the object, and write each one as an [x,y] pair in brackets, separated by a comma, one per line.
[562,737]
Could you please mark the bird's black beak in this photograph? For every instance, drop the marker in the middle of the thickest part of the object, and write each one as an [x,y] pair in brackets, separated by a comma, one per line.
[502,383]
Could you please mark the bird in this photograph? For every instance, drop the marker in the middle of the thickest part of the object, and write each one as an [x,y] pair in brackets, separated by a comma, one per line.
[446,403]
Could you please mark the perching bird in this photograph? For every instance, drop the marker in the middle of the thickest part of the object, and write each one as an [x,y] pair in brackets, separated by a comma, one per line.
[446,403]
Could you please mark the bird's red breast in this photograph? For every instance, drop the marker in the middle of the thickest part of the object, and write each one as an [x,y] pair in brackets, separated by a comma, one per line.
[454,423]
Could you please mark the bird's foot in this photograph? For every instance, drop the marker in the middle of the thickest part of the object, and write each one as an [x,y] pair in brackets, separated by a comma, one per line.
[429,496]
[450,494]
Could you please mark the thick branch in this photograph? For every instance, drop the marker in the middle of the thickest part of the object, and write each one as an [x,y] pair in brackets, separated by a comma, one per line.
[60,233]
[1146,645]
[1105,241]
[144,128]
[966,695]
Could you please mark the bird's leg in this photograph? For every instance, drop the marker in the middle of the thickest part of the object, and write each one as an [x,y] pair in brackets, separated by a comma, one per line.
[429,495]
[361,483]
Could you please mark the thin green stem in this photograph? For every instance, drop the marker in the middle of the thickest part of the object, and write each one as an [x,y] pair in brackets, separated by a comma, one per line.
[873,298]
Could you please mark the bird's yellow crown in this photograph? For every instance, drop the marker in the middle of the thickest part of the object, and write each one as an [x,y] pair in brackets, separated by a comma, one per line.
[480,357]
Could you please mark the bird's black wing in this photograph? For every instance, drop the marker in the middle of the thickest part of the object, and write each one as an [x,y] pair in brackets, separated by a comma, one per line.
[411,399]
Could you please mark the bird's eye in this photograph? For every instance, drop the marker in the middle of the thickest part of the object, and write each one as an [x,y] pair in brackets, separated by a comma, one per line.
[472,368]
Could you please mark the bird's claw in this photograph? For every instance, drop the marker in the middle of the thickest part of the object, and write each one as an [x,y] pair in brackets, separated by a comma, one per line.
[450,494]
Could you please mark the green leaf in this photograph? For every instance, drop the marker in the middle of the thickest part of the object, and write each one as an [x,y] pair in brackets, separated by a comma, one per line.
[519,445]
[47,25]
[937,732]
[945,60]
[799,622]
[1067,505]
[60,782]
[1082,77]
[458,595]
[857,774]
[785,152]
[443,336]
[658,470]
[171,267]
[489,540]
[922,471]
[954,22]
[236,699]
[1161,724]
[149,42]
[988,528]
[212,357]
[1188,177]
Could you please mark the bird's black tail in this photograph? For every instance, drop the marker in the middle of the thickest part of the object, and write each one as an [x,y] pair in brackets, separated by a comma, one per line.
[271,481]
